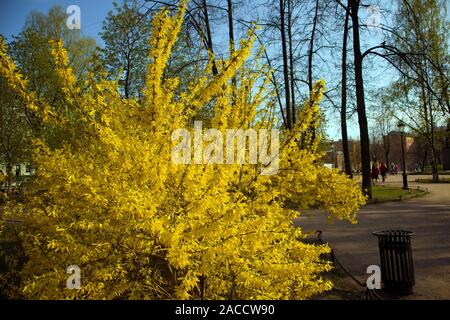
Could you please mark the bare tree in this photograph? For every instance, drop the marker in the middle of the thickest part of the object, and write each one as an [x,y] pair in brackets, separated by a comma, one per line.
[353,8]
[287,90]
[345,147]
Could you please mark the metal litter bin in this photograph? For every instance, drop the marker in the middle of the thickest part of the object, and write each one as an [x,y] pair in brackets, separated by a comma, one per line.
[397,269]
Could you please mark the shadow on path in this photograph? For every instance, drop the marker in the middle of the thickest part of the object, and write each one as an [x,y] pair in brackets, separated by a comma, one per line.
[428,217]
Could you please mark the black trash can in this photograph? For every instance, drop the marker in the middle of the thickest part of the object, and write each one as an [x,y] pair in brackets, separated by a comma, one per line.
[397,269]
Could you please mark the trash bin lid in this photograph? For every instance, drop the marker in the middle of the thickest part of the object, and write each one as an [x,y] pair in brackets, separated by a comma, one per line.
[393,233]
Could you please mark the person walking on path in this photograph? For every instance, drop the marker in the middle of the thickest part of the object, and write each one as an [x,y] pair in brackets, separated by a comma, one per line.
[383,171]
[375,172]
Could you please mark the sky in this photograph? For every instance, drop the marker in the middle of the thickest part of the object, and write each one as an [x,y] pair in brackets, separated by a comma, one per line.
[13,14]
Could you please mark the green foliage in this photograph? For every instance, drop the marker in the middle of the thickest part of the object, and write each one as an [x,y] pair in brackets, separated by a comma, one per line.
[126,32]
[15,133]
[32,52]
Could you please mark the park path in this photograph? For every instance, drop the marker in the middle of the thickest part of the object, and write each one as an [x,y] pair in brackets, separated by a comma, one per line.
[427,216]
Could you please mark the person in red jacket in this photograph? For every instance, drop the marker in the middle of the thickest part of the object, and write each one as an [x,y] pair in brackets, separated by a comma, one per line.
[383,171]
[375,173]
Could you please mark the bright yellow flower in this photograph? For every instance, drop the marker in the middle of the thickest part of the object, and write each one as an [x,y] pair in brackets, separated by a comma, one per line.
[141,227]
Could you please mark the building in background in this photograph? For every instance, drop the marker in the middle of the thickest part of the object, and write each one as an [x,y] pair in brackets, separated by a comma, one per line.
[388,149]
[394,154]
[22,169]
[335,155]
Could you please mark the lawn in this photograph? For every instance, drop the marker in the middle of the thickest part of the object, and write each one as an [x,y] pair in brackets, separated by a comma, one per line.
[428,173]
[441,180]
[384,193]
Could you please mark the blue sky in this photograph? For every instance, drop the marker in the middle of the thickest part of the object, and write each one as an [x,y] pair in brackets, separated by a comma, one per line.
[14,12]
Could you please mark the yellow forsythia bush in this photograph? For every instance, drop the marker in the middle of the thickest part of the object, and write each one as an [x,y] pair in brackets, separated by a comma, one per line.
[139,226]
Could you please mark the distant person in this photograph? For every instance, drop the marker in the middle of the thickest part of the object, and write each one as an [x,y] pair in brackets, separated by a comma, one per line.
[383,171]
[375,173]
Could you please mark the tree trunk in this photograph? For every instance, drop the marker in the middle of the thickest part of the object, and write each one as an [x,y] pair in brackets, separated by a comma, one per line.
[425,156]
[310,61]
[232,45]
[386,156]
[311,48]
[285,65]
[429,104]
[360,101]
[231,25]
[434,164]
[215,71]
[127,79]
[291,60]
[345,147]
[386,148]
[231,31]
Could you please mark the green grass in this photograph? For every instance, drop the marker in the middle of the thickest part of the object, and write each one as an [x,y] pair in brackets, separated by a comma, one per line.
[428,173]
[441,180]
[384,193]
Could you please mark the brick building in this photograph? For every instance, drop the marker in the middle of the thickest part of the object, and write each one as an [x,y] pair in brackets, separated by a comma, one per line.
[389,149]
[393,144]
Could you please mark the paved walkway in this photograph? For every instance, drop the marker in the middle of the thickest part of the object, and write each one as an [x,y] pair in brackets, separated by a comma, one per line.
[428,217]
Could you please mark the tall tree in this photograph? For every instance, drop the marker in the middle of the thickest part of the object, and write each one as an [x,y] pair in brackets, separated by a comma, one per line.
[15,134]
[345,147]
[354,6]
[32,51]
[421,28]
[291,58]
[209,38]
[384,118]
[287,90]
[125,33]
[311,45]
